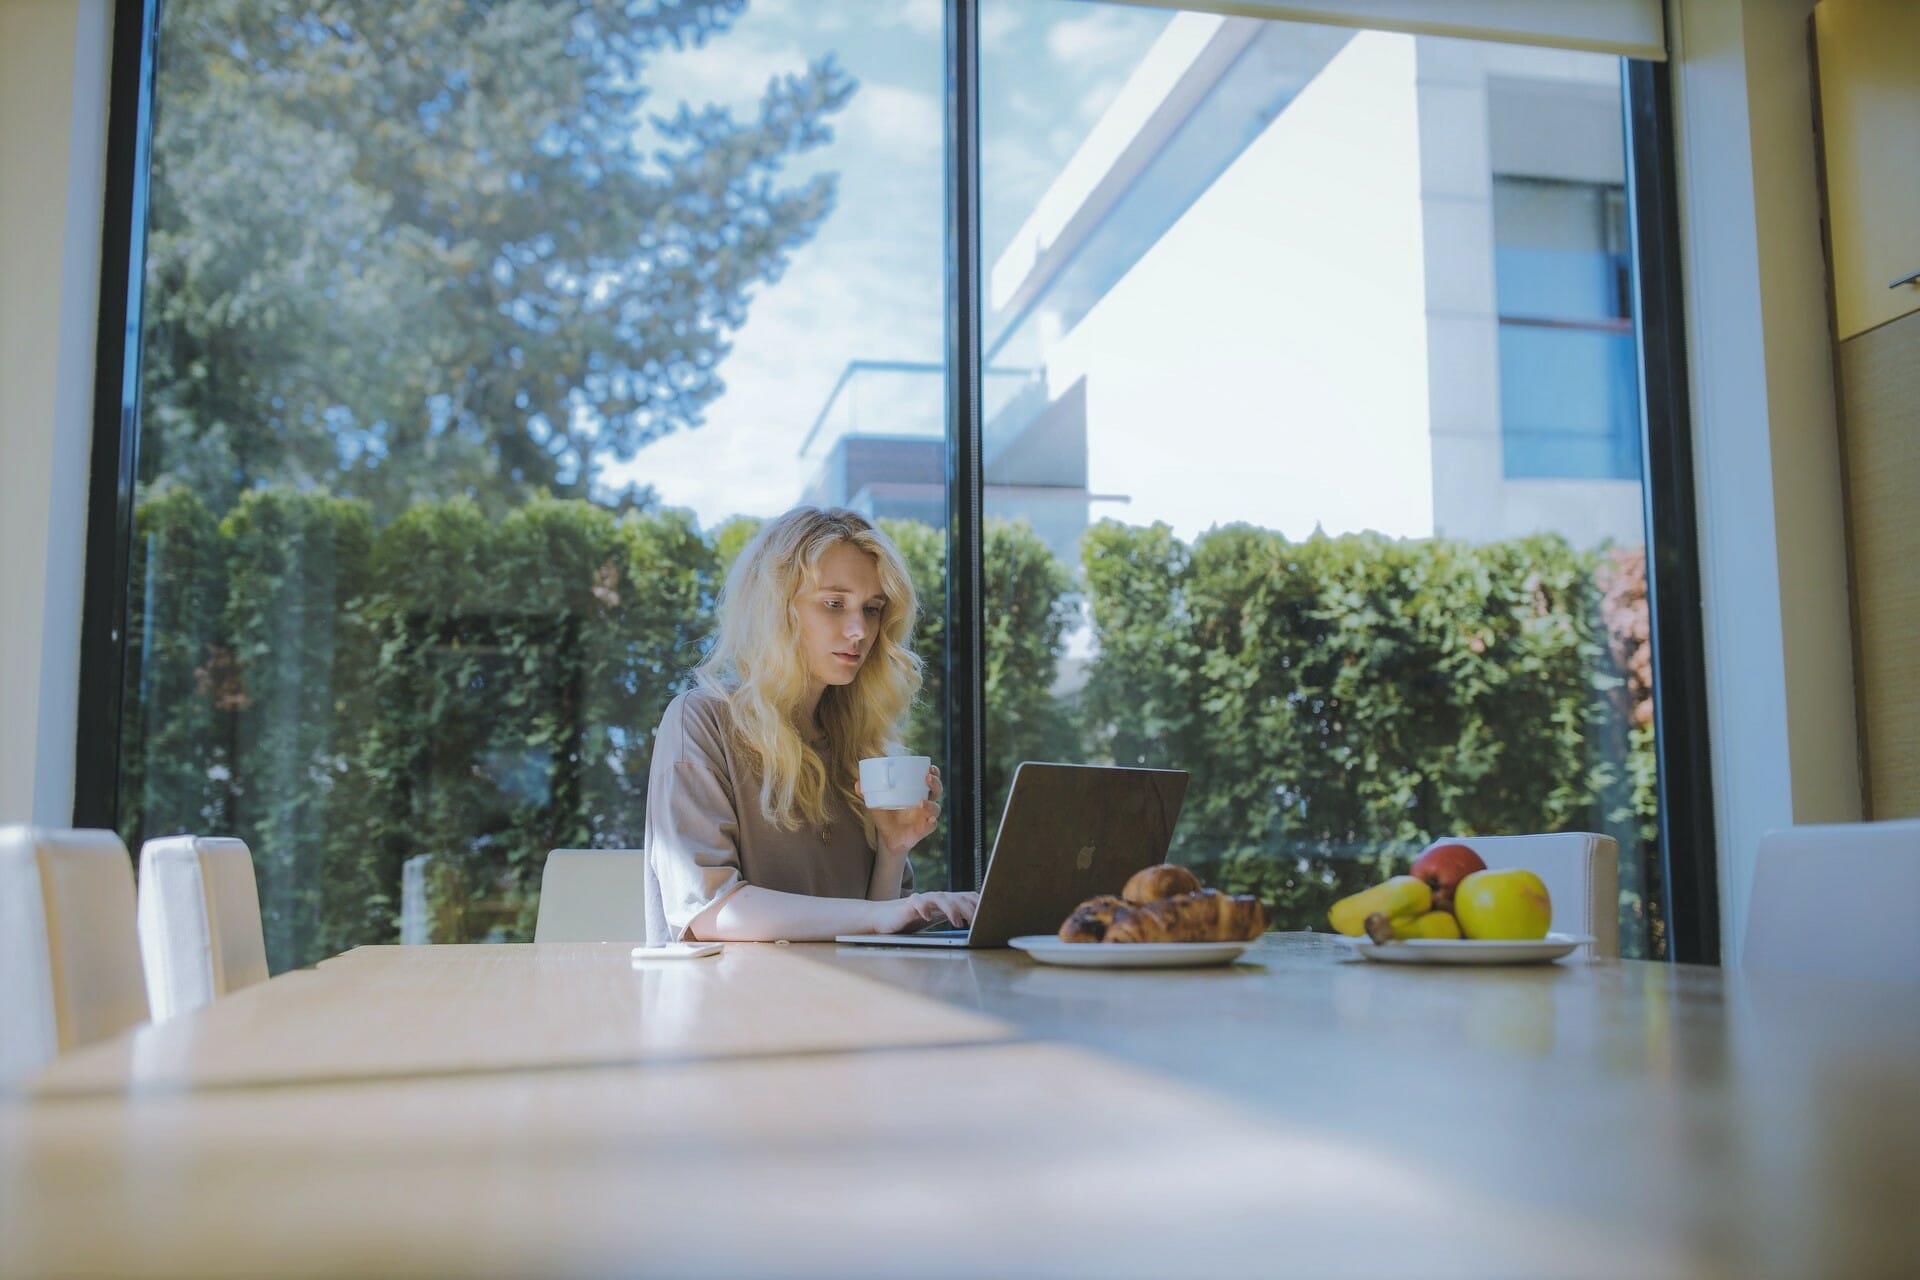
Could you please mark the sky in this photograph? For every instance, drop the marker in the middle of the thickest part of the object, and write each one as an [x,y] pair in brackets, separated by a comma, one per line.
[869,285]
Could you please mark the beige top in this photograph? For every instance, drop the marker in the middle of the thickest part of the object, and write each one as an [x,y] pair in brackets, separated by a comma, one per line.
[706,835]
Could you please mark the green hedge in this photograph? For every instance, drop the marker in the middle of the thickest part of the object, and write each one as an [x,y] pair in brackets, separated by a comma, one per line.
[1342,701]
[522,670]
[483,691]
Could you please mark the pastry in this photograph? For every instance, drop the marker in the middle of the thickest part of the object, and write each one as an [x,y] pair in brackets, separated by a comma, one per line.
[1090,920]
[1206,916]
[1158,883]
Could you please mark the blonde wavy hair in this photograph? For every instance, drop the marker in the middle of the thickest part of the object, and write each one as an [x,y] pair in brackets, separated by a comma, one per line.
[756,664]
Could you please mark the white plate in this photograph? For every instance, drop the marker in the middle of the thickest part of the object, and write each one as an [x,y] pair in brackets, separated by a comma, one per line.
[1469,950]
[1048,949]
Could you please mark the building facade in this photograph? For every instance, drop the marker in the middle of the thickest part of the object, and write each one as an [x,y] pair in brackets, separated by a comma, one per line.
[1383,282]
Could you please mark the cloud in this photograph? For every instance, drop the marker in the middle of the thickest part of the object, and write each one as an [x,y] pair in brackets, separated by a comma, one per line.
[997,25]
[808,13]
[1023,102]
[730,71]
[922,17]
[1100,36]
[894,119]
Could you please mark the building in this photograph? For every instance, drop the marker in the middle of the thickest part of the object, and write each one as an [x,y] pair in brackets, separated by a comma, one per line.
[1481,187]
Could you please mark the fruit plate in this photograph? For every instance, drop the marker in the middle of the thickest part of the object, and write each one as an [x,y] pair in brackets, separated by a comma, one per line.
[1048,949]
[1469,950]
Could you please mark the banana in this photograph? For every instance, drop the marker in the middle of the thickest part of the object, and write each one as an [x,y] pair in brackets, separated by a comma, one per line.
[1432,924]
[1401,898]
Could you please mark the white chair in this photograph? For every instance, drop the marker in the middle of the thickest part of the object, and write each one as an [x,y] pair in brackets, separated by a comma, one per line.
[1837,901]
[199,921]
[1581,871]
[593,895]
[69,961]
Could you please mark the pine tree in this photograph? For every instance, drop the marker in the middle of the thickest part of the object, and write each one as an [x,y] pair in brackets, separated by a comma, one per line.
[405,248]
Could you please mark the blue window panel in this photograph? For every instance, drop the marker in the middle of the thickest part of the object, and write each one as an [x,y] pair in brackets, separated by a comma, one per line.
[1559,284]
[1555,455]
[1569,404]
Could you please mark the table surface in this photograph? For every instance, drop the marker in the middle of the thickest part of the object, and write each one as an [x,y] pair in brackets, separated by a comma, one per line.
[832,1110]
[396,1012]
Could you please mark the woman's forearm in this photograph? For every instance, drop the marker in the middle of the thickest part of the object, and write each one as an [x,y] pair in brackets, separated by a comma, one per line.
[753,914]
[889,869]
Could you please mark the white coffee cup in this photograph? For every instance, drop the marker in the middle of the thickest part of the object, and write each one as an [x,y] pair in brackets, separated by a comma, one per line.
[894,782]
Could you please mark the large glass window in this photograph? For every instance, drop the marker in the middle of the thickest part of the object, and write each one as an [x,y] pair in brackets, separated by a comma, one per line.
[1291,331]
[477,340]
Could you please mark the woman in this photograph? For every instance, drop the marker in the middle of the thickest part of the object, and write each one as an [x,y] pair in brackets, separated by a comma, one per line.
[755,828]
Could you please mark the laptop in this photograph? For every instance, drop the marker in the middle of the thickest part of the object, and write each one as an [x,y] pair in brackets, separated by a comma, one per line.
[1070,832]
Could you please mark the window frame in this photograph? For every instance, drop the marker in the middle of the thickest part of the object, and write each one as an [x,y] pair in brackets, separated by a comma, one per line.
[1686,847]
[115,451]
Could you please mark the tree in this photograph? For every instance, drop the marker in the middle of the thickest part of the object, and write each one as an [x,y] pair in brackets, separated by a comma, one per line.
[400,250]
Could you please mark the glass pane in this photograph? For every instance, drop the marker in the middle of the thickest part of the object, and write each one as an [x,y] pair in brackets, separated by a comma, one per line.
[1569,403]
[1559,250]
[475,343]
[1250,512]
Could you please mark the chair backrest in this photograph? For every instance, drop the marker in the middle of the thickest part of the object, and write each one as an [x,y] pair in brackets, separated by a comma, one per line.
[199,921]
[593,895]
[69,960]
[1837,901]
[1581,871]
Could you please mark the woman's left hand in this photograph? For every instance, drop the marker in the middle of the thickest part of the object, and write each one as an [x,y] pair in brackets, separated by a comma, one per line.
[901,829]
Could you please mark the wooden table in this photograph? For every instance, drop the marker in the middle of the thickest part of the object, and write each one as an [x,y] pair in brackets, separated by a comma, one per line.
[399,1012]
[818,1110]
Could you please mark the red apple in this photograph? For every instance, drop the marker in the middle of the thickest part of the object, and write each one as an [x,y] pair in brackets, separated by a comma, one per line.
[1443,866]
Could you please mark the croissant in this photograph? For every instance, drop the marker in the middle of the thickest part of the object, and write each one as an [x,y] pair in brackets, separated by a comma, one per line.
[1090,919]
[1156,884]
[1206,916]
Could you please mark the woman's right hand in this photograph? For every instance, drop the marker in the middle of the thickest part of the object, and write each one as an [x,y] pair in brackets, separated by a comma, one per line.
[923,908]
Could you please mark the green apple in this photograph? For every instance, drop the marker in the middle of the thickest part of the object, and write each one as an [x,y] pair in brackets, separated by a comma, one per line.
[1503,904]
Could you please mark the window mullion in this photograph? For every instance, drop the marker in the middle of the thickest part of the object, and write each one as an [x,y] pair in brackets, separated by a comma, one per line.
[966,712]
[1689,890]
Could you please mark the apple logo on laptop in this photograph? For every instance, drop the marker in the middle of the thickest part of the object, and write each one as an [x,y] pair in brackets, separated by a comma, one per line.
[1083,859]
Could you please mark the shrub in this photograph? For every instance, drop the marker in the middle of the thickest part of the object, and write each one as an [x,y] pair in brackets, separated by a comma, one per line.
[1343,701]
[483,691]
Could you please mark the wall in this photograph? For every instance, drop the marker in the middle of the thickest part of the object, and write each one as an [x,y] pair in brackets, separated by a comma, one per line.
[1780,680]
[53,96]
[1809,520]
